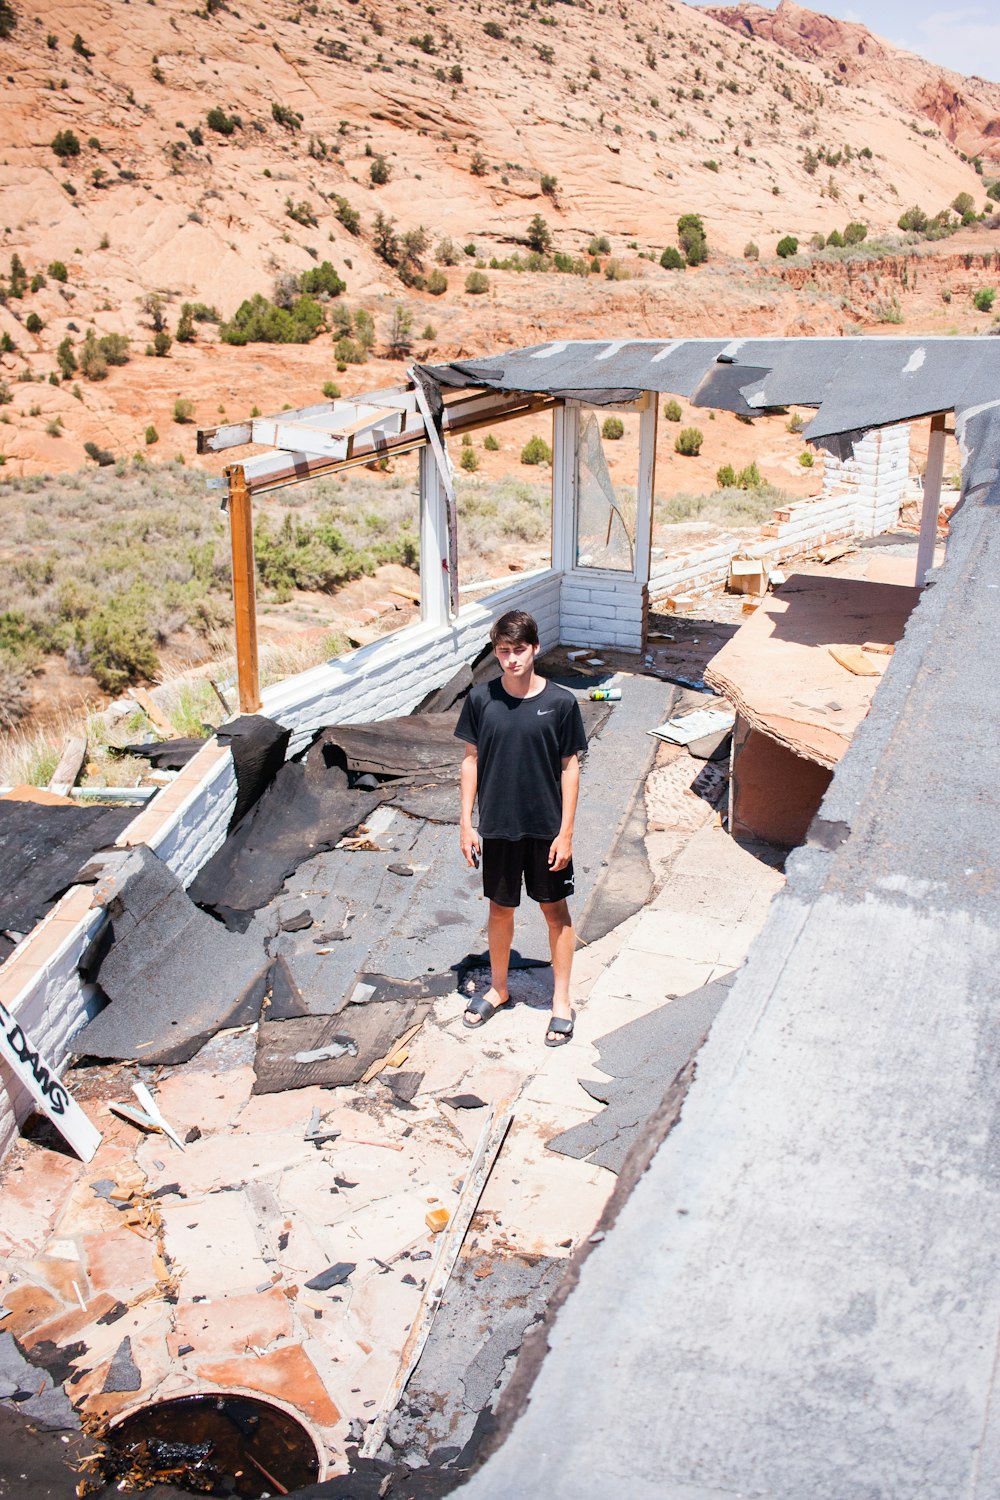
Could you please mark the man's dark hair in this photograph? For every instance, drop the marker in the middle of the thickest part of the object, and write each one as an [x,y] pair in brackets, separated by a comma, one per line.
[516,626]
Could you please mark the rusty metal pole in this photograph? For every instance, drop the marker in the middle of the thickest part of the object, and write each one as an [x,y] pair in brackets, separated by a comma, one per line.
[244,589]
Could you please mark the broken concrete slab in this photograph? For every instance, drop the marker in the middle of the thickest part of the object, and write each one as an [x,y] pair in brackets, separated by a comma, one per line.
[173,976]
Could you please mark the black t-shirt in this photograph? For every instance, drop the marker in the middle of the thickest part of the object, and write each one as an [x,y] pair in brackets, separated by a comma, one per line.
[521,744]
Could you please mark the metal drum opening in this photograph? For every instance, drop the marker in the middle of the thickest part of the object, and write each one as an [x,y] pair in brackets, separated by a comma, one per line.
[216,1444]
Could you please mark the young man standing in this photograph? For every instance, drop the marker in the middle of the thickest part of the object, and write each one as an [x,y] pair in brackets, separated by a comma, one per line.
[524,737]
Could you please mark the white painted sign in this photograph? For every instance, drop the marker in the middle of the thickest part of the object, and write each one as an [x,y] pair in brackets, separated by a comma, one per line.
[44,1086]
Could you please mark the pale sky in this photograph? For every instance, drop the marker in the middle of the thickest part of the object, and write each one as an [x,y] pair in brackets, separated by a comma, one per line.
[966,38]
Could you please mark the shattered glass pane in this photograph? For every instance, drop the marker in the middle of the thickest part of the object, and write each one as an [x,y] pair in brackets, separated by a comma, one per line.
[605,507]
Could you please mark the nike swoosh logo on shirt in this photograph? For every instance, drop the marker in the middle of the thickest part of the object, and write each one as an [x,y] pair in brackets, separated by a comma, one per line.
[541,712]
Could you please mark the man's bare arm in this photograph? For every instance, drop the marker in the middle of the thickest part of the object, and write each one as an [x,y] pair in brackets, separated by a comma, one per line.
[468,836]
[561,848]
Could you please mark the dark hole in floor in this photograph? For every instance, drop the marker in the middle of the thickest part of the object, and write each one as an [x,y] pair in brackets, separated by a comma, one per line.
[212,1445]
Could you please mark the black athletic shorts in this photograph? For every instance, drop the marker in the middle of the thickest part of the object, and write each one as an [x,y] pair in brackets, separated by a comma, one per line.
[505,861]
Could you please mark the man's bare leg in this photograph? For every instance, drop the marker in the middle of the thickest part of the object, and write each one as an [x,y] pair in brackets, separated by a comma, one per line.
[562,944]
[500,930]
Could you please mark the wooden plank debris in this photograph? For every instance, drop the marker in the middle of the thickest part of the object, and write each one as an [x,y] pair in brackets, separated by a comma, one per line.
[153,712]
[396,1049]
[449,1244]
[855,660]
[70,765]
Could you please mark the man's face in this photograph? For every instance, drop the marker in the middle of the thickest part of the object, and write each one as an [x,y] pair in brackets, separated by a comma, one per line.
[516,658]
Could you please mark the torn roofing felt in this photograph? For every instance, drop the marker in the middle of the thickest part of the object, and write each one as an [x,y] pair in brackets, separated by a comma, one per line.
[173,975]
[258,746]
[643,1057]
[42,849]
[857,383]
[164,755]
[308,807]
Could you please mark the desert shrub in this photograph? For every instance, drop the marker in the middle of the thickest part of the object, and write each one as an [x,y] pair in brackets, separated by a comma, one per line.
[186,332]
[835,240]
[538,236]
[495,30]
[385,241]
[817,241]
[400,332]
[692,239]
[725,477]
[613,429]
[548,184]
[114,348]
[984,299]
[751,251]
[476,283]
[855,233]
[379,172]
[599,245]
[672,410]
[490,443]
[749,478]
[536,451]
[795,423]
[79,46]
[672,259]
[787,246]
[346,215]
[301,213]
[101,456]
[152,436]
[183,410]
[66,358]
[913,219]
[807,459]
[282,115]
[688,441]
[615,271]
[33,323]
[8,18]
[322,280]
[93,364]
[964,204]
[66,143]
[347,351]
[437,283]
[446,252]
[58,271]
[259,321]
[161,344]
[331,390]
[195,135]
[478,166]
[219,121]
[118,643]
[469,460]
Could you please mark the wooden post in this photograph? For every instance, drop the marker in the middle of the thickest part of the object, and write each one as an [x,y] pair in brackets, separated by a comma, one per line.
[932,498]
[244,589]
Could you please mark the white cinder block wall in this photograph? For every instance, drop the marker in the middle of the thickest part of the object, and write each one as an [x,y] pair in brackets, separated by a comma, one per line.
[875,476]
[602,609]
[376,682]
